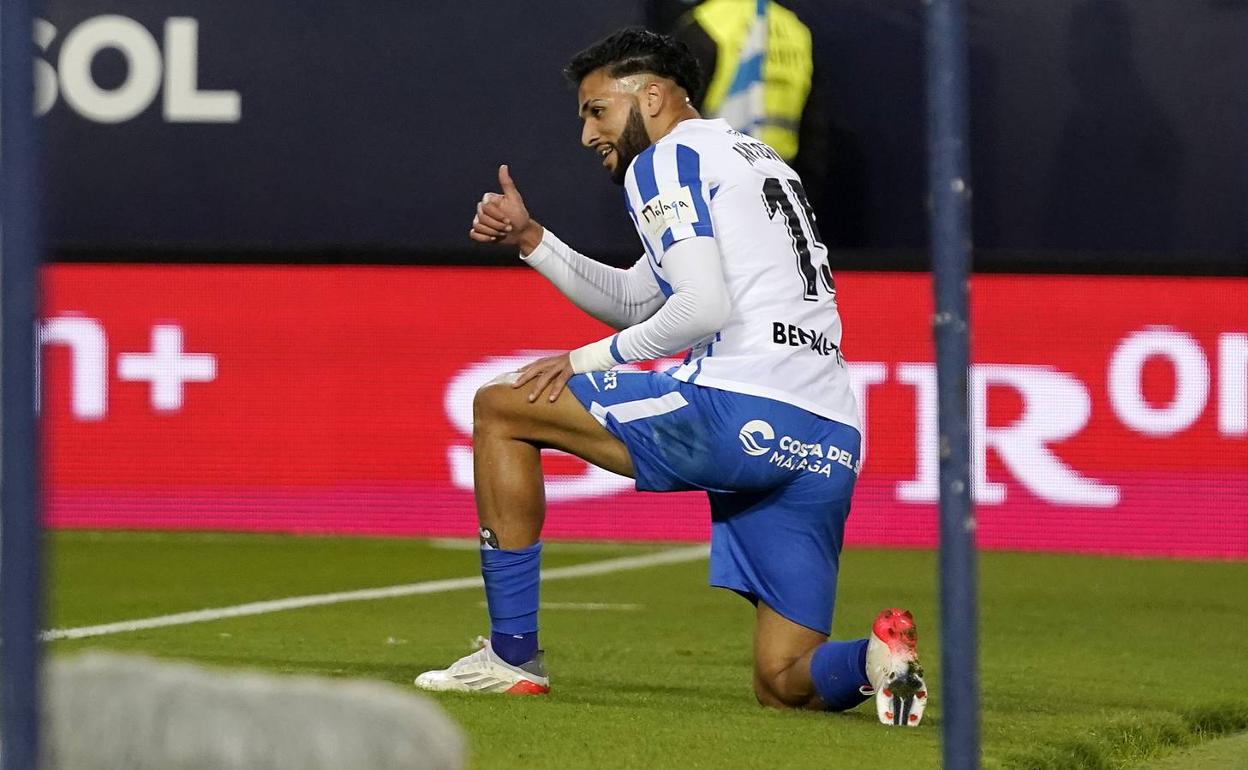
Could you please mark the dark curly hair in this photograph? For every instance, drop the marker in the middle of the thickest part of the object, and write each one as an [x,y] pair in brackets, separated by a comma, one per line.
[634,50]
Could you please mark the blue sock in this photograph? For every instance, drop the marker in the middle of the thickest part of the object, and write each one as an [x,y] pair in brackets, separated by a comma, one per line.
[838,670]
[511,592]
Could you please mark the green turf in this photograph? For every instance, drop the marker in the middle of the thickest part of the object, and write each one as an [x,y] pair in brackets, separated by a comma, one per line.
[1225,754]
[1085,662]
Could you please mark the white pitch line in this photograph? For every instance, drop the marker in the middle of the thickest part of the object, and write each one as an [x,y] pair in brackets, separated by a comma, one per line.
[583,606]
[604,567]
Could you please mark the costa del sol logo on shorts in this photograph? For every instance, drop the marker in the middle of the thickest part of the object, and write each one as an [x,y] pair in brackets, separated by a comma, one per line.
[751,434]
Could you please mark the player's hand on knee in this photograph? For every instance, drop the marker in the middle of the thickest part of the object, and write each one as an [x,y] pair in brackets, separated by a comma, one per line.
[549,374]
[501,218]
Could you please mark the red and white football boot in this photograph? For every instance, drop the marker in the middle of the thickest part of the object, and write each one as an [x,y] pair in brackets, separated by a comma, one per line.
[894,671]
[484,671]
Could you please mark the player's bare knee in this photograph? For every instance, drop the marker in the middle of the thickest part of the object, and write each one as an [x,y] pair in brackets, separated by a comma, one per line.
[767,698]
[771,690]
[489,405]
[764,697]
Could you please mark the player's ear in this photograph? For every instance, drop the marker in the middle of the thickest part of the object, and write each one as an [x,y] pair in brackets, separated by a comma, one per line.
[654,97]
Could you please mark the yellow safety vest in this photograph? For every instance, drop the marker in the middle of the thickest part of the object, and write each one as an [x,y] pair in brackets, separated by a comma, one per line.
[787,67]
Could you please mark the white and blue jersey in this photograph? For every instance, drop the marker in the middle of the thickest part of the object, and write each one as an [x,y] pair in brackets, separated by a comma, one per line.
[761,414]
[782,340]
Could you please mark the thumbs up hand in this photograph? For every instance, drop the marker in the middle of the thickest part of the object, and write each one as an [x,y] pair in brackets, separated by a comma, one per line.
[503,218]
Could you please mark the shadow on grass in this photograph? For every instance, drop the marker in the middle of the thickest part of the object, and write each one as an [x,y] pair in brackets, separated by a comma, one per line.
[1118,743]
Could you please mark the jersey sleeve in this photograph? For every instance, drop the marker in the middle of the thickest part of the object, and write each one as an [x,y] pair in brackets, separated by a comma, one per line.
[675,192]
[618,298]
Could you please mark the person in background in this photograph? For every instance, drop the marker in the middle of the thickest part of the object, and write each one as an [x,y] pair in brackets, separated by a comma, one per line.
[777,100]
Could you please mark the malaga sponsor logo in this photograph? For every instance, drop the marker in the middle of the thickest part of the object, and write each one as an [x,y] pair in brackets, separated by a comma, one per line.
[750,435]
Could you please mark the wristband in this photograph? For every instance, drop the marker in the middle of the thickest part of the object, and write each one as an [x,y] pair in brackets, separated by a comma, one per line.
[594,357]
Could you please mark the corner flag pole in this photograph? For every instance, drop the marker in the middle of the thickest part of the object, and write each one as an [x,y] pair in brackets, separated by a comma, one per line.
[20,594]
[950,200]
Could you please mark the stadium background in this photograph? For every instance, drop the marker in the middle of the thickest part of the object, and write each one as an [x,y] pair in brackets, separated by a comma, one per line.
[262,311]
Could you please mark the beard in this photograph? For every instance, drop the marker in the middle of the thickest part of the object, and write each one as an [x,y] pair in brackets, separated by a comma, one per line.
[632,142]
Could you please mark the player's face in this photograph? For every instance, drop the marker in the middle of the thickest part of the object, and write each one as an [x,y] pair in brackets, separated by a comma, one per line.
[614,128]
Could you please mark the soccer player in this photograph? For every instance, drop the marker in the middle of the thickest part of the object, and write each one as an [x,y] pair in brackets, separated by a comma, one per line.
[760,415]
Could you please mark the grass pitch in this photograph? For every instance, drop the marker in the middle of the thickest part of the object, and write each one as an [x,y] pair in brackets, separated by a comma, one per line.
[1085,662]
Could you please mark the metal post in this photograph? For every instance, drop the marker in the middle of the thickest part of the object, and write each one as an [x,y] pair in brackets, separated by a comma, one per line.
[20,595]
[950,193]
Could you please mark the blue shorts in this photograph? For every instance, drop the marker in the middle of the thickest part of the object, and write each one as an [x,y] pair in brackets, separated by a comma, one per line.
[779,479]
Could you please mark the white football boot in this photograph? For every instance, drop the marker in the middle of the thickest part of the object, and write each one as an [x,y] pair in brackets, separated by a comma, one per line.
[484,671]
[894,671]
